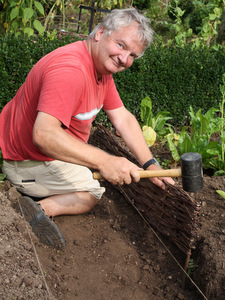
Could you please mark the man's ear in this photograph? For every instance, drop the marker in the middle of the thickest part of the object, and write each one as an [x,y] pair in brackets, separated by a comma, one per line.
[98,34]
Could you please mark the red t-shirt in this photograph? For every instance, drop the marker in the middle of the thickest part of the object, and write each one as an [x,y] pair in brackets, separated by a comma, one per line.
[63,84]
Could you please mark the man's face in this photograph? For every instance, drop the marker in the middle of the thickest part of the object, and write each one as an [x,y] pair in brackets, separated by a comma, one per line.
[117,51]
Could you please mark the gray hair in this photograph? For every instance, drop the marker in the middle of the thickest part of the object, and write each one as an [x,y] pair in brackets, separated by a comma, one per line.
[123,18]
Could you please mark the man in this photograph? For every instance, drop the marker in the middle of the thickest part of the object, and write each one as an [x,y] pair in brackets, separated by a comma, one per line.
[44,130]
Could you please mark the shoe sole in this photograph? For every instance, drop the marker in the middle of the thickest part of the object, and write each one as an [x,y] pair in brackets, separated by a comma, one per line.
[47,231]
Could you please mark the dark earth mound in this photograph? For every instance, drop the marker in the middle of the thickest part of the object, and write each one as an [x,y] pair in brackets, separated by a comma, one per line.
[111,253]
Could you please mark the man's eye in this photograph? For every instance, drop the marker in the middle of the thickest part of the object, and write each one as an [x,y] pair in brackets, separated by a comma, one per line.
[133,56]
[120,45]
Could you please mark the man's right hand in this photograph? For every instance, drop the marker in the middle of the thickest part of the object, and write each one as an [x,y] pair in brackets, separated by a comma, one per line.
[119,170]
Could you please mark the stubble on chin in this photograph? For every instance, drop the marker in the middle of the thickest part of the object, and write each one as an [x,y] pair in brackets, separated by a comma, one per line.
[118,65]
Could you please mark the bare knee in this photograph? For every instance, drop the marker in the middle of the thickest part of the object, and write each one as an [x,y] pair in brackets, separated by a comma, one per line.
[83,202]
[69,204]
[92,201]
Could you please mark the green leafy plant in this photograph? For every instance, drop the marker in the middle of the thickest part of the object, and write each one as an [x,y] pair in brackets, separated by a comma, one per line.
[28,16]
[158,122]
[177,13]
[153,126]
[186,6]
[199,138]
[221,193]
[110,4]
[21,17]
[197,22]
[165,163]
[191,267]
[218,162]
[210,13]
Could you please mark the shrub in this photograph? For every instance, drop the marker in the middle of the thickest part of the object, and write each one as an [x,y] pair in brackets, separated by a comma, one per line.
[174,78]
[195,21]
[17,57]
[185,5]
[141,4]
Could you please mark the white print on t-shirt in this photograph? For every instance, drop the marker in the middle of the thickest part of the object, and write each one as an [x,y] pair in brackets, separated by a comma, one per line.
[88,115]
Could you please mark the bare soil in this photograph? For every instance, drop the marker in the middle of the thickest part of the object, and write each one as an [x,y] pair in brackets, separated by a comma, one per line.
[112,253]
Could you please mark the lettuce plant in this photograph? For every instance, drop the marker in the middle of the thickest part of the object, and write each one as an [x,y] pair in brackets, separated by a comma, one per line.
[200,137]
[158,123]
[218,162]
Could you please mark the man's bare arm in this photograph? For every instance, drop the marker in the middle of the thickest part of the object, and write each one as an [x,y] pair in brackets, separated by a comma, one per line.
[53,140]
[131,133]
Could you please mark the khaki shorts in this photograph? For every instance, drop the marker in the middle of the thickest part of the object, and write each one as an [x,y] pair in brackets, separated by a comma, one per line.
[47,178]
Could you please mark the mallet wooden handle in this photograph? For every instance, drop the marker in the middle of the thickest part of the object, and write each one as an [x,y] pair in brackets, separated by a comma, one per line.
[149,174]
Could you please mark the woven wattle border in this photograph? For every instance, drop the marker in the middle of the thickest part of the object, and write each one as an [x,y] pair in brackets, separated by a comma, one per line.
[172,212]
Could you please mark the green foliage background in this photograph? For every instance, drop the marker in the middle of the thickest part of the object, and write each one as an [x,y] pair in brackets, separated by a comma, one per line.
[174,78]
[17,57]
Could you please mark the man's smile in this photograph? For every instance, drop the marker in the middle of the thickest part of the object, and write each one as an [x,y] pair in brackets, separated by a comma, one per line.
[116,63]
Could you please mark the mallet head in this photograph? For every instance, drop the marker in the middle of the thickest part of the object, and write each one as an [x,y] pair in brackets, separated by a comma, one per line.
[192,174]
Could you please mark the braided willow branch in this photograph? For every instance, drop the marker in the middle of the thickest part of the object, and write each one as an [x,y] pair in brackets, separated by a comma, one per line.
[173,212]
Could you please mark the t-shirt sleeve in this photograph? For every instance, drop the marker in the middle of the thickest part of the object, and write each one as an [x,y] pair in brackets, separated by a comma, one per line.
[112,98]
[61,91]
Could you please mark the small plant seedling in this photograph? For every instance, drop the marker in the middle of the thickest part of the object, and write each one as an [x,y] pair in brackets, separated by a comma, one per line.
[221,193]
[166,163]
[191,267]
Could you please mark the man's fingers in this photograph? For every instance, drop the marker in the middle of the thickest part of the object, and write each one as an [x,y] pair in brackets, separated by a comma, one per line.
[135,175]
[120,170]
[158,181]
[168,179]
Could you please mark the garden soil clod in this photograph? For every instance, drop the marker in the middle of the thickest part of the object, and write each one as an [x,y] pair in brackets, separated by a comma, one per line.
[111,253]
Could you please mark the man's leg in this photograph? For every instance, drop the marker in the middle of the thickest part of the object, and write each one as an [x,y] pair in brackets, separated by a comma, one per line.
[49,179]
[47,231]
[68,204]
[64,189]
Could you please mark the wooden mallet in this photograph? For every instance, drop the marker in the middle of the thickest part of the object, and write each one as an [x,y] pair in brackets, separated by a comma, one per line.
[190,172]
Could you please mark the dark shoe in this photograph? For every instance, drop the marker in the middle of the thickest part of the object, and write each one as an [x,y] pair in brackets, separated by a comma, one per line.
[47,231]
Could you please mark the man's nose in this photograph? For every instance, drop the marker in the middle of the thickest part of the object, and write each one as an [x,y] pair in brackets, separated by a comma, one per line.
[123,57]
